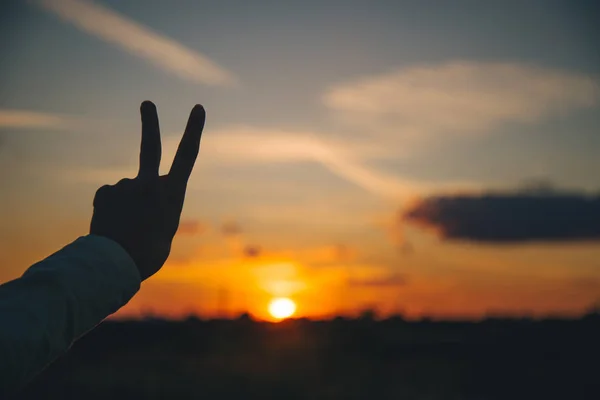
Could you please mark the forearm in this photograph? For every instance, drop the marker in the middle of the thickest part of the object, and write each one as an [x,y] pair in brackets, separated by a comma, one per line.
[59,299]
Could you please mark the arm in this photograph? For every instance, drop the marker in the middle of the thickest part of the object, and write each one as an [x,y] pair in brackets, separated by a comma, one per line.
[60,298]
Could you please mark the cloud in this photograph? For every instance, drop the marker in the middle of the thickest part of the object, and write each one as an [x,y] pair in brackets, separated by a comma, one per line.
[23,119]
[139,40]
[392,280]
[191,227]
[231,229]
[347,159]
[251,251]
[343,159]
[520,216]
[461,97]
[242,144]
[234,237]
[370,179]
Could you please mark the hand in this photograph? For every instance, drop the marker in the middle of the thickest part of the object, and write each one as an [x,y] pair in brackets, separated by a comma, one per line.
[142,214]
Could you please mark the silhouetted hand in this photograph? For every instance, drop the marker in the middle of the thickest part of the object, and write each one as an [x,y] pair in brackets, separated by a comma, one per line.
[142,214]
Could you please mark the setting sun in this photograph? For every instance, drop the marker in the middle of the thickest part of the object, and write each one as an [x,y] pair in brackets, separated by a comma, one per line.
[282,308]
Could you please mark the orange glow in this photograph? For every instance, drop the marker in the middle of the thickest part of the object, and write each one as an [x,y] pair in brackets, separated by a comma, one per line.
[210,284]
[282,308]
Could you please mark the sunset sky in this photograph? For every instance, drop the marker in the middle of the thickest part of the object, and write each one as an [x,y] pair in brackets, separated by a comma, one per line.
[424,157]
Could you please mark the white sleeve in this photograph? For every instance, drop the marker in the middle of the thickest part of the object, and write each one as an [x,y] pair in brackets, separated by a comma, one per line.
[59,299]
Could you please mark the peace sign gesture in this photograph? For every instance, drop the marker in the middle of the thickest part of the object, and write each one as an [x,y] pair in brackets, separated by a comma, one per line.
[142,214]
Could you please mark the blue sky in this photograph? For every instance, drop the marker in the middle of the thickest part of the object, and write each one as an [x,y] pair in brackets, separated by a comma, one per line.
[324,118]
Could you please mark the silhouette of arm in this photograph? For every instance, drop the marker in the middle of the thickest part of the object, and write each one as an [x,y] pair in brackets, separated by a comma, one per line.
[59,299]
[62,297]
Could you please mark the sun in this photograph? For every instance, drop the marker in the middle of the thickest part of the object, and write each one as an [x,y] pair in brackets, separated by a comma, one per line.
[282,308]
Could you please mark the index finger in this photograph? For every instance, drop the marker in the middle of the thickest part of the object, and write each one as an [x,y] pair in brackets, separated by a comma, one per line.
[150,150]
[187,152]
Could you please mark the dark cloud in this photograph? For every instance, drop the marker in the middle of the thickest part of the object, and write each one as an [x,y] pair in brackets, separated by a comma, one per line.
[191,227]
[231,229]
[252,251]
[510,217]
[392,280]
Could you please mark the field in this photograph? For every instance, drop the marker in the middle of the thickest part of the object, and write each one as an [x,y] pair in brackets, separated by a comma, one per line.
[337,359]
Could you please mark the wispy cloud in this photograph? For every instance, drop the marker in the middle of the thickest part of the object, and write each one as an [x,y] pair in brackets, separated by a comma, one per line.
[23,119]
[388,281]
[458,98]
[348,160]
[242,144]
[344,159]
[137,39]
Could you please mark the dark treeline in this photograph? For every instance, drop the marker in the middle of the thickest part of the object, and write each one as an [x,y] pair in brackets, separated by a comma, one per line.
[496,358]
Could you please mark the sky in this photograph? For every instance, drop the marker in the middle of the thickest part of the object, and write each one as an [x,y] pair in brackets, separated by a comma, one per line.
[416,157]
